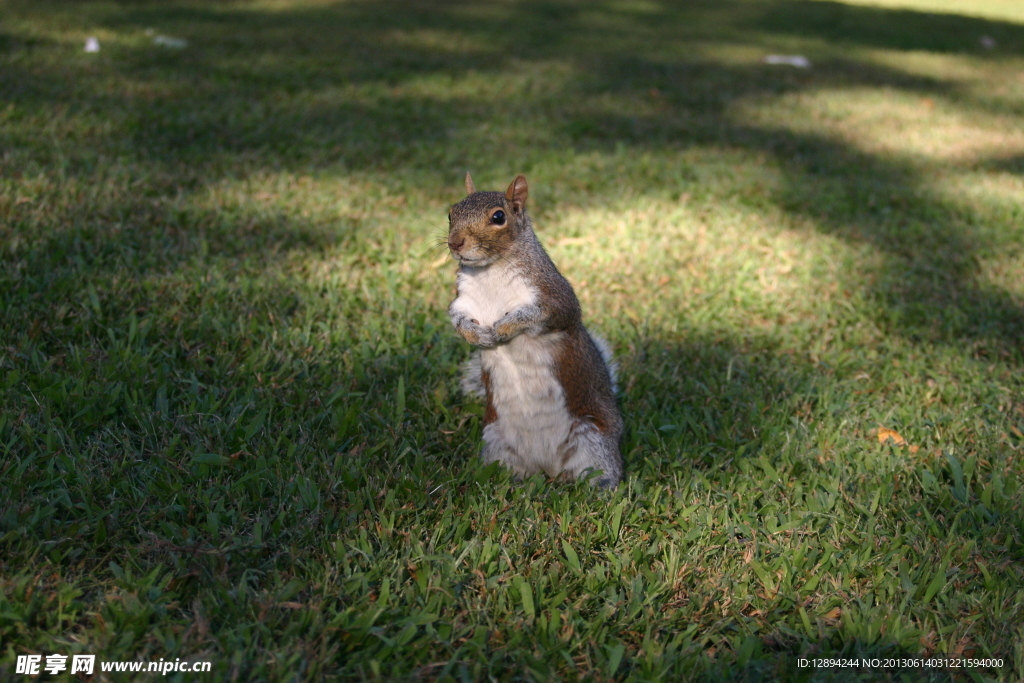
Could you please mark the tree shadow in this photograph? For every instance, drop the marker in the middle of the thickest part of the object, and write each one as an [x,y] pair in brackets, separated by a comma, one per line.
[890,29]
[257,100]
[1013,163]
[737,410]
[929,287]
[262,100]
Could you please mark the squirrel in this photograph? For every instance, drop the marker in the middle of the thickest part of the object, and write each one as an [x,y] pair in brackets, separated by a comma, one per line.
[548,383]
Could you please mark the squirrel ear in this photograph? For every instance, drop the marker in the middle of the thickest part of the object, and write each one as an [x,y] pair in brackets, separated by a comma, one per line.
[470,187]
[516,193]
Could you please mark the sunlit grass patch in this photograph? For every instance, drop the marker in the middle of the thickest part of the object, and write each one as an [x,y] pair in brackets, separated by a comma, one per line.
[1006,10]
[889,123]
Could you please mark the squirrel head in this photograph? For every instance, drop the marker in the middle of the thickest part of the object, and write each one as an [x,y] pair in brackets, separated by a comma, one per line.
[485,225]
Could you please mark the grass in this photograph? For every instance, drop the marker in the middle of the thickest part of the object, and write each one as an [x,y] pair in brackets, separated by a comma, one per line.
[229,421]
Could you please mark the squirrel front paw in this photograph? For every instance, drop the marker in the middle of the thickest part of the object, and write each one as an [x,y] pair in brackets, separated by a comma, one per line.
[513,323]
[477,335]
[505,329]
[473,332]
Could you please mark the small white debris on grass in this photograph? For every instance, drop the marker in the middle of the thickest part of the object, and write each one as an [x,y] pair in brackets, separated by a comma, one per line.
[798,61]
[167,41]
[92,44]
[987,42]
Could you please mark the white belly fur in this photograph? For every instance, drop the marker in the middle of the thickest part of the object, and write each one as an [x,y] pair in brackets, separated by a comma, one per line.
[533,423]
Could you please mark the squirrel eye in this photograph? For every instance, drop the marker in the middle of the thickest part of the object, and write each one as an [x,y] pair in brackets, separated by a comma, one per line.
[498,217]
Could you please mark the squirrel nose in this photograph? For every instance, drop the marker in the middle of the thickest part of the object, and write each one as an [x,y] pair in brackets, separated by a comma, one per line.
[454,244]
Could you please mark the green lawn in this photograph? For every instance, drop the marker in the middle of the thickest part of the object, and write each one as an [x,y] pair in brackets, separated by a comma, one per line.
[230,427]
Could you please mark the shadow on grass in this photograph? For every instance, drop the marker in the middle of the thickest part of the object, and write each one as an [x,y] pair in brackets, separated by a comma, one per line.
[930,286]
[1013,163]
[889,29]
[762,431]
[248,97]
[407,90]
